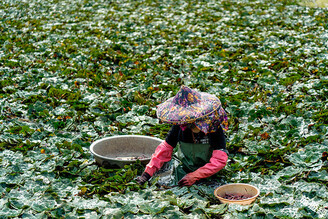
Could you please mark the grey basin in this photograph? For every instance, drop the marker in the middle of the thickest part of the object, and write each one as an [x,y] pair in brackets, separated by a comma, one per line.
[117,151]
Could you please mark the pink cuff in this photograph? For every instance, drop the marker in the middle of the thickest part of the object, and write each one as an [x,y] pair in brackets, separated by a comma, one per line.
[163,153]
[217,162]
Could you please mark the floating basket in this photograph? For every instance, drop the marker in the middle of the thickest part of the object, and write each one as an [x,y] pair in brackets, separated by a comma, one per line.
[237,188]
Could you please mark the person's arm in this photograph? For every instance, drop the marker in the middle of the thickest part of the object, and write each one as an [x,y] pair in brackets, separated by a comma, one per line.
[217,161]
[163,153]
[217,140]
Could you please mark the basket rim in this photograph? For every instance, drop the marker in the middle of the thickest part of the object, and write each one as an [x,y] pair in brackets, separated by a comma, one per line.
[93,144]
[243,200]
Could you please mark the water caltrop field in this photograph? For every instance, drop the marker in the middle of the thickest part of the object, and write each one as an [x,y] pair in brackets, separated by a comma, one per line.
[73,72]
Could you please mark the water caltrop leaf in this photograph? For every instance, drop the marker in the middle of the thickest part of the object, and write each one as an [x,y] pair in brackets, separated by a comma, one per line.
[216,209]
[306,158]
[3,202]
[276,199]
[154,207]
[43,204]
[289,212]
[80,203]
[113,212]
[320,175]
[289,172]
[19,203]
[72,72]
[9,212]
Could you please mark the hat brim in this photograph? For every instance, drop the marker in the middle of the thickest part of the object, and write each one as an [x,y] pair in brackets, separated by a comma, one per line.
[171,112]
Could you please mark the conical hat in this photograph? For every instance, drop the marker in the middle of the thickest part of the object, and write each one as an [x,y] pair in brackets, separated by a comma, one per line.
[189,106]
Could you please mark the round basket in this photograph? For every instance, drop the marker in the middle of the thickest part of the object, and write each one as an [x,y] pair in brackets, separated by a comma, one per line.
[117,151]
[237,188]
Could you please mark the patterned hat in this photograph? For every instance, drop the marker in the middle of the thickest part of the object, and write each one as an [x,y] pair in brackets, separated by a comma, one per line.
[190,106]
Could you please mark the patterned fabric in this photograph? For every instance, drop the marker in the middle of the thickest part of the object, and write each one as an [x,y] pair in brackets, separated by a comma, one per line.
[190,106]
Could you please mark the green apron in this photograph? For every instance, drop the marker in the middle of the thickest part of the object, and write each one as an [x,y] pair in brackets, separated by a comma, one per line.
[188,158]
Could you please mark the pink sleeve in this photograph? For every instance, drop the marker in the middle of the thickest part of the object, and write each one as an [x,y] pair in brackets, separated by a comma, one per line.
[217,162]
[163,153]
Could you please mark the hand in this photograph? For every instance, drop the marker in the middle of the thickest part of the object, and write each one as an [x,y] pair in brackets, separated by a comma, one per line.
[217,162]
[143,178]
[187,180]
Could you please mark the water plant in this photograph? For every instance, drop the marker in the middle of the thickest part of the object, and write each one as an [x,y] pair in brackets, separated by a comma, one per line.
[72,72]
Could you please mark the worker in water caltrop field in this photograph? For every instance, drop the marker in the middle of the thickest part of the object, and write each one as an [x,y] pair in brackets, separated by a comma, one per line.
[197,135]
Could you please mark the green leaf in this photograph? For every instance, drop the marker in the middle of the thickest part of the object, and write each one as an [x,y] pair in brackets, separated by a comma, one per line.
[8,212]
[154,207]
[216,209]
[76,71]
[321,175]
[289,173]
[113,213]
[276,199]
[307,158]
[43,204]
[82,204]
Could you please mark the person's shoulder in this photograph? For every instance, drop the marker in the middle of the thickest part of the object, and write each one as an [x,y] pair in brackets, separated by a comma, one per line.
[173,135]
[175,128]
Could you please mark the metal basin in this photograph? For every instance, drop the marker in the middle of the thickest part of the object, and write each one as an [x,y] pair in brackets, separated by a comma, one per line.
[117,151]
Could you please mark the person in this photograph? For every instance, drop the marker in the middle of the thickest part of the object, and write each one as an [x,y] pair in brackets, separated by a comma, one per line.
[195,146]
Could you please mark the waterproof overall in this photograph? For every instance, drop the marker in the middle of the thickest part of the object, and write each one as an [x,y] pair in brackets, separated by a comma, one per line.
[188,158]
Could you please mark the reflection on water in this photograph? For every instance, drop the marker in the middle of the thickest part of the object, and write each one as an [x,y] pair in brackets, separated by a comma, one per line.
[315,3]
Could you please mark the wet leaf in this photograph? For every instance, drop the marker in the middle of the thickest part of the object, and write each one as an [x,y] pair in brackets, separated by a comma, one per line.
[72,72]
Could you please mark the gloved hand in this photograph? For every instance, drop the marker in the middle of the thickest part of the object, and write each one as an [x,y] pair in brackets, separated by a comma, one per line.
[163,153]
[217,162]
[143,178]
[187,180]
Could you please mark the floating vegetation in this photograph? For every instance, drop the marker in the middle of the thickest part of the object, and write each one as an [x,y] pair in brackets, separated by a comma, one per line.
[72,72]
[315,3]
